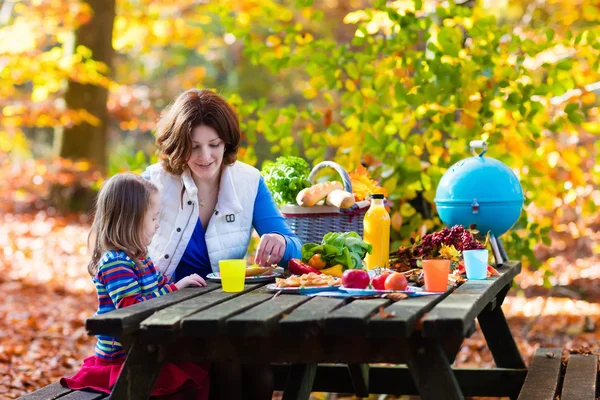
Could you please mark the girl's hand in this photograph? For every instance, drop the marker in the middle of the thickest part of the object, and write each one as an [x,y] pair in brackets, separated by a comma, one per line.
[192,280]
[270,249]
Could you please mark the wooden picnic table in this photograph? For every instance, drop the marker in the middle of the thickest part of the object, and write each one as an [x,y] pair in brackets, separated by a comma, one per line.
[322,343]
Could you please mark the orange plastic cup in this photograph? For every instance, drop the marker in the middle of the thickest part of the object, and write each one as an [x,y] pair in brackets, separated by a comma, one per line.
[436,275]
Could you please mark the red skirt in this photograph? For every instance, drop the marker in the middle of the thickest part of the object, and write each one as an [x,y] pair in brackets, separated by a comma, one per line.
[101,375]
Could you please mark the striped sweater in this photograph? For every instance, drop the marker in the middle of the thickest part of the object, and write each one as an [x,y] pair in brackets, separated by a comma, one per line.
[121,283]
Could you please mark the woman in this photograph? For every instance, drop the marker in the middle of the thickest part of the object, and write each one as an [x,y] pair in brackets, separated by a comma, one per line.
[210,203]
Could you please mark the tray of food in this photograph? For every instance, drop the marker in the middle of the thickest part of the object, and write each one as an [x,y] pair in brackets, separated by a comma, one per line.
[306,283]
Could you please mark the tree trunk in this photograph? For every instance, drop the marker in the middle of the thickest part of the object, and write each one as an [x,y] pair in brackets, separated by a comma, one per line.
[85,141]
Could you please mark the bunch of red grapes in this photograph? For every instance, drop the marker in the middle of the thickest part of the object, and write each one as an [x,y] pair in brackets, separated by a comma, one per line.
[457,236]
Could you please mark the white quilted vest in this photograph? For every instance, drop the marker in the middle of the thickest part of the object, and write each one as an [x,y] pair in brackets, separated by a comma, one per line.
[229,229]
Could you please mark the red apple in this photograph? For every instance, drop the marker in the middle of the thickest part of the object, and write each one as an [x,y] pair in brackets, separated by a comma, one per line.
[378,281]
[355,279]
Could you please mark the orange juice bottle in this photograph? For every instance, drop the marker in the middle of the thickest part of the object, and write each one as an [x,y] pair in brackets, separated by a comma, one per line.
[377,233]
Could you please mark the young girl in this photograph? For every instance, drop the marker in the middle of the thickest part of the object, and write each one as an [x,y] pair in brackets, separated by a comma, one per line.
[127,215]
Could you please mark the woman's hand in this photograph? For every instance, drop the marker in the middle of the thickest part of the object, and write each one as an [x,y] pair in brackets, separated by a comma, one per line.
[270,249]
[191,280]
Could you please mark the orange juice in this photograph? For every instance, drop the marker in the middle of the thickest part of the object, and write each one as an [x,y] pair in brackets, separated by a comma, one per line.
[377,233]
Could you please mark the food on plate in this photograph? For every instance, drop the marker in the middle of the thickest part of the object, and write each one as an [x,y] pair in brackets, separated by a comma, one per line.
[336,270]
[308,280]
[355,279]
[297,267]
[255,270]
[378,281]
[396,281]
[308,197]
[345,248]
[317,262]
[340,198]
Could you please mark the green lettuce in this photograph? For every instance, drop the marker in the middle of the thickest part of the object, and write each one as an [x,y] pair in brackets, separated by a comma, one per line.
[286,177]
[346,248]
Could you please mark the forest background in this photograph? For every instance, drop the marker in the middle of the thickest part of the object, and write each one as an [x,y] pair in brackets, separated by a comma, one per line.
[400,87]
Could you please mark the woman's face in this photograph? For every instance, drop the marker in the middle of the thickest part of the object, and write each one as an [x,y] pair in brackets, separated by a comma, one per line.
[207,153]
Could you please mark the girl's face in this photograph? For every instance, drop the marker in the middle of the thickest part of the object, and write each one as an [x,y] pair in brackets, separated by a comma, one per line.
[151,219]
[207,153]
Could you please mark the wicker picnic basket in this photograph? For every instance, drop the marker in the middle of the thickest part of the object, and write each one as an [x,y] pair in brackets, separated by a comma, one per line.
[310,224]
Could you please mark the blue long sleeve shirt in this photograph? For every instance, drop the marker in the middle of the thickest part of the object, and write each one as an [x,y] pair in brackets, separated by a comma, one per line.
[265,219]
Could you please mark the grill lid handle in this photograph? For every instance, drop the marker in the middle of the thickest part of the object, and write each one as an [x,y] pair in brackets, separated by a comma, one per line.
[478,144]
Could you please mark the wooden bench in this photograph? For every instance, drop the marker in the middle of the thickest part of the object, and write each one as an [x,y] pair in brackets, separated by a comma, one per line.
[56,391]
[548,376]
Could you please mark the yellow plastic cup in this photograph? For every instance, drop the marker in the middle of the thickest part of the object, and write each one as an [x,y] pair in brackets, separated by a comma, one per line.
[233,275]
[436,275]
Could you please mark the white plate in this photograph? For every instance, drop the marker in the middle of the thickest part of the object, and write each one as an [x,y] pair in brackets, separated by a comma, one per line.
[216,277]
[301,290]
[411,291]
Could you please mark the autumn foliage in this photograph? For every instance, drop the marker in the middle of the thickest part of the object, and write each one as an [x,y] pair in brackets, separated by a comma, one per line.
[395,88]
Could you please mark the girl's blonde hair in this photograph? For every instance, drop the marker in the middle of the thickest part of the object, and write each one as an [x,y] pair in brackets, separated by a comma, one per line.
[119,219]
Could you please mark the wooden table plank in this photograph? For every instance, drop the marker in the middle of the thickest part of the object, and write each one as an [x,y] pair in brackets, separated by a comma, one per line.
[165,324]
[263,319]
[402,316]
[457,312]
[580,378]
[351,319]
[211,322]
[126,320]
[309,318]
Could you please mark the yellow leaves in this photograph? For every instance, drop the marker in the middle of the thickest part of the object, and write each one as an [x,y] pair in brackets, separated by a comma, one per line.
[161,28]
[310,93]
[355,17]
[350,85]
[363,185]
[396,221]
[303,38]
[391,184]
[412,163]
[407,211]
[553,159]
[449,253]
[243,19]
[317,81]
[24,31]
[273,41]
[588,98]
[40,93]
[591,127]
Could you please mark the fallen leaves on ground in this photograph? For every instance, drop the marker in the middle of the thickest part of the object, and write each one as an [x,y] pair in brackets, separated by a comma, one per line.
[42,335]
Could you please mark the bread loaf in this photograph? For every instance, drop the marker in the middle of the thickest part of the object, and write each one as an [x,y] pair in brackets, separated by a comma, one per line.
[340,198]
[255,271]
[310,196]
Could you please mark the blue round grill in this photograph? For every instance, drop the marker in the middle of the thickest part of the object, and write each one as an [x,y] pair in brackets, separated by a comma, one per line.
[482,191]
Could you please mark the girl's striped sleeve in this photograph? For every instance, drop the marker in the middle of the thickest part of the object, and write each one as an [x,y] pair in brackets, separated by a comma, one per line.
[123,286]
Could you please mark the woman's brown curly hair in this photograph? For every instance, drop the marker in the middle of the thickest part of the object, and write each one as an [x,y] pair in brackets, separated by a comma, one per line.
[191,109]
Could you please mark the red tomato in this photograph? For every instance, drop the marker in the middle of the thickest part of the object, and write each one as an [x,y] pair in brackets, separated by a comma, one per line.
[396,281]
[355,278]
[378,281]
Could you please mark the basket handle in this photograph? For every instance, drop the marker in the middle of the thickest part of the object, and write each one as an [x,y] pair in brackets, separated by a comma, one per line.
[338,168]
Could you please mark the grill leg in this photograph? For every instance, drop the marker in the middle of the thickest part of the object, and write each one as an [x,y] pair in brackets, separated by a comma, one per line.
[496,245]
